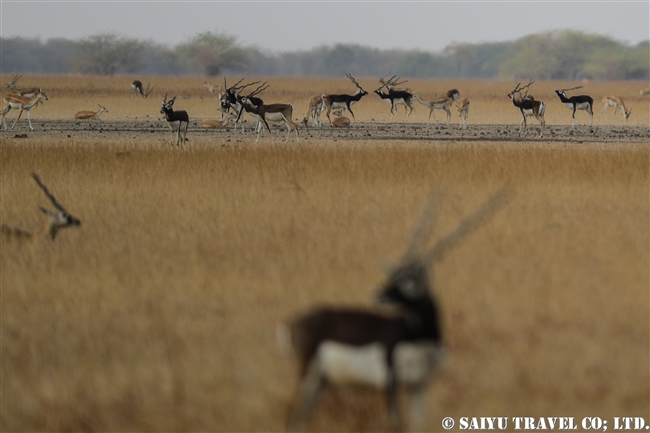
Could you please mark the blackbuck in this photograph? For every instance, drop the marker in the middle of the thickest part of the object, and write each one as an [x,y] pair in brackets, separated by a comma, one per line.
[27,92]
[644,92]
[389,352]
[463,110]
[437,102]
[528,107]
[87,114]
[59,219]
[230,100]
[395,97]
[137,89]
[21,103]
[616,102]
[580,102]
[270,113]
[345,102]
[177,121]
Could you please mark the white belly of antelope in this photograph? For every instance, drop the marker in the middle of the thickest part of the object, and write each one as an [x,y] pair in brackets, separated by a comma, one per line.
[366,365]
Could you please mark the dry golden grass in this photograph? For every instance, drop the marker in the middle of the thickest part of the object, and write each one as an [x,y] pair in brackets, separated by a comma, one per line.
[489,101]
[159,312]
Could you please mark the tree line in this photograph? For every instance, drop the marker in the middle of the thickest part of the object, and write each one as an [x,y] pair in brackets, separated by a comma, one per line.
[560,54]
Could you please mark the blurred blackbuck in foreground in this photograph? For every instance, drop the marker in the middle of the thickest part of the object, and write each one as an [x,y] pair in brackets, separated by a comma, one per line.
[59,219]
[386,351]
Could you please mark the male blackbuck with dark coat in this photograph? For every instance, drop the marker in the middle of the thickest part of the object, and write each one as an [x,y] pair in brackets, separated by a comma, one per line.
[270,113]
[616,102]
[230,99]
[177,121]
[345,102]
[528,107]
[581,102]
[21,103]
[395,96]
[386,351]
[59,219]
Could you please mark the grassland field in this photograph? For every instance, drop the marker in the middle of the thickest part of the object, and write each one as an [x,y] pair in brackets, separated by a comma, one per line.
[159,312]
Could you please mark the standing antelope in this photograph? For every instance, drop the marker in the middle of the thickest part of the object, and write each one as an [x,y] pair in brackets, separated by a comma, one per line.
[59,219]
[137,89]
[270,113]
[463,110]
[314,110]
[440,102]
[581,102]
[616,102]
[87,114]
[395,97]
[528,107]
[344,102]
[231,99]
[353,346]
[21,103]
[28,92]
[177,121]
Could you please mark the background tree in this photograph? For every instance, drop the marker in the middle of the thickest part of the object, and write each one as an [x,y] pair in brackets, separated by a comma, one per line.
[108,54]
[216,52]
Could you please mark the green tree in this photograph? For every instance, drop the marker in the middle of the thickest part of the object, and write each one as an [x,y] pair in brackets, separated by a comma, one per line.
[108,54]
[216,52]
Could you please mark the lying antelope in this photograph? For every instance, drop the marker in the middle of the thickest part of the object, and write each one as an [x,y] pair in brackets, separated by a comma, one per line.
[528,107]
[616,102]
[86,114]
[580,102]
[176,120]
[59,219]
[21,103]
[215,123]
[463,110]
[338,346]
[341,122]
[344,102]
[270,113]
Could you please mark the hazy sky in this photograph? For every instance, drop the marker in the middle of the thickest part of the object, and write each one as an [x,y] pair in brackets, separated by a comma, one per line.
[298,25]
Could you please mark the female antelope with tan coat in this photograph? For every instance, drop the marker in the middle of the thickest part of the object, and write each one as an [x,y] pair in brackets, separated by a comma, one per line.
[21,103]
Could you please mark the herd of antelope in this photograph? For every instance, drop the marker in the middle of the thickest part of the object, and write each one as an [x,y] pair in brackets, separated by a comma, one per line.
[234,103]
[344,346]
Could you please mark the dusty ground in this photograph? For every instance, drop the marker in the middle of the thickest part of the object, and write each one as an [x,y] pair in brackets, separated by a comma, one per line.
[137,129]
